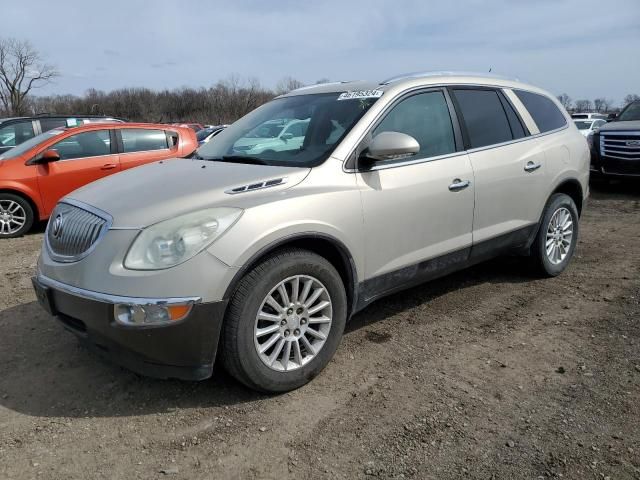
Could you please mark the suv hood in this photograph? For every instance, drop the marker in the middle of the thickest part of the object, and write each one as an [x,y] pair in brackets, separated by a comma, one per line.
[146,195]
[621,126]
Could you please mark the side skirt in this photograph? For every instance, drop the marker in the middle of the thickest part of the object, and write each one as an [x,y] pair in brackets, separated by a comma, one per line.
[374,288]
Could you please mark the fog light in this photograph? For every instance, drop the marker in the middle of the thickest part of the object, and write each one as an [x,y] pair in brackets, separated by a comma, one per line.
[141,315]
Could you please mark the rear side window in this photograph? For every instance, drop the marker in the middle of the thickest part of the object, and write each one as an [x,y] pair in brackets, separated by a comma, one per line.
[543,110]
[143,140]
[16,133]
[484,117]
[426,118]
[82,145]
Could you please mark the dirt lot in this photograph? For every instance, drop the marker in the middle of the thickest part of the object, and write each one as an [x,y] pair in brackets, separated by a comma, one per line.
[489,373]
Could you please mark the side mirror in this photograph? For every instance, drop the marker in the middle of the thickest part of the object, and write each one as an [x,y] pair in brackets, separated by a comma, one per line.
[391,146]
[49,156]
[287,136]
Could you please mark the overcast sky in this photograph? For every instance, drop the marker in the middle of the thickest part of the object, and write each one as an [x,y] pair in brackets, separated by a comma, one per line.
[586,48]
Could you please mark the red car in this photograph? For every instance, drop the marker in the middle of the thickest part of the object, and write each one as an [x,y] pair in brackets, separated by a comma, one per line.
[37,173]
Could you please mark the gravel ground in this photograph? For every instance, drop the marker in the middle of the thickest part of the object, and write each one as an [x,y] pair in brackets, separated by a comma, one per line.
[488,373]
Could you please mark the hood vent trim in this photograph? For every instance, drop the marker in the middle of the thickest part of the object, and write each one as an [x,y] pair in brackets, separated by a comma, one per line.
[257,186]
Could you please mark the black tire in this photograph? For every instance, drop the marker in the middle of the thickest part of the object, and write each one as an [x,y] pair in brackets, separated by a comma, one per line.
[27,212]
[239,354]
[541,260]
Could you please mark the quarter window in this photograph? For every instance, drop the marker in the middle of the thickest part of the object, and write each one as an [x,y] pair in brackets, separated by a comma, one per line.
[426,118]
[543,110]
[82,145]
[484,117]
[143,140]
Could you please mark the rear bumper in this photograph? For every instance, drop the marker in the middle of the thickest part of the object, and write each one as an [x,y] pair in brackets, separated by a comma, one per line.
[184,350]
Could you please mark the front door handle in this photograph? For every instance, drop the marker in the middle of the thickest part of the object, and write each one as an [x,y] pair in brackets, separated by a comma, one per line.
[531,167]
[458,185]
[108,166]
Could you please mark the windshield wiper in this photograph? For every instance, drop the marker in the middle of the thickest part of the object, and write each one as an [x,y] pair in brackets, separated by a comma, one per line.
[240,159]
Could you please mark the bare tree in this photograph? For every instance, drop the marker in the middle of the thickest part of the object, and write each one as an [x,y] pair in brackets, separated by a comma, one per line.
[602,105]
[583,105]
[287,84]
[21,70]
[565,100]
[632,97]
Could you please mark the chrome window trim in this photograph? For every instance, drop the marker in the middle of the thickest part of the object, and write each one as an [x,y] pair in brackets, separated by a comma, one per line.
[113,299]
[95,211]
[619,132]
[401,94]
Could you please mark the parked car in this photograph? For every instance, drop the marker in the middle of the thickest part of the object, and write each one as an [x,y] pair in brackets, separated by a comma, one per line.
[37,173]
[588,126]
[588,116]
[14,131]
[208,133]
[265,257]
[274,136]
[615,146]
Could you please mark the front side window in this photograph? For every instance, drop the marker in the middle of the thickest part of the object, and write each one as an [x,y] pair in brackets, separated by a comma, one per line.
[543,110]
[142,140]
[631,112]
[15,134]
[483,116]
[316,124]
[426,118]
[83,145]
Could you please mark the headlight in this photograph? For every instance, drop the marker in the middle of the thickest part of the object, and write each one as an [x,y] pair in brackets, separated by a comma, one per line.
[174,241]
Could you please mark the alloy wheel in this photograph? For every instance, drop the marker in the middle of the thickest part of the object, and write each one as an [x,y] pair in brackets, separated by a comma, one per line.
[12,217]
[559,236]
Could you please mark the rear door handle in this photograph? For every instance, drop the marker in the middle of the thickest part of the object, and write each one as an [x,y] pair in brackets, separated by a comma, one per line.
[458,185]
[531,167]
[108,166]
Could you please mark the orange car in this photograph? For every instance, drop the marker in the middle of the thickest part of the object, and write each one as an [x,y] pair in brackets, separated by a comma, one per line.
[37,173]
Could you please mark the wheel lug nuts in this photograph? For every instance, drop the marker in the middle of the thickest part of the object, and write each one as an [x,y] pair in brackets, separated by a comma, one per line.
[290,311]
[303,321]
[299,311]
[283,322]
[296,332]
[287,333]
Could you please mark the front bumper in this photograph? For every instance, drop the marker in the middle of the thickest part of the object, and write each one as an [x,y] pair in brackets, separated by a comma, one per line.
[184,350]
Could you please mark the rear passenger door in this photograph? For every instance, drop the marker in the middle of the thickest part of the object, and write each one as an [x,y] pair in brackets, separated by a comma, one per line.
[508,167]
[144,145]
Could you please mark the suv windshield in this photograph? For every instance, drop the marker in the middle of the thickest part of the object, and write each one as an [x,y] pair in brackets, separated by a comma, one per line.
[25,146]
[631,112]
[298,131]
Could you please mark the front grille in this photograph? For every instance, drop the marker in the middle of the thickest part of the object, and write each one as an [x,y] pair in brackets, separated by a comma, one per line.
[620,145]
[73,231]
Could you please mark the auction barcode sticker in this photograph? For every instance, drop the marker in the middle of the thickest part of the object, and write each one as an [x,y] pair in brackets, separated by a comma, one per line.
[360,94]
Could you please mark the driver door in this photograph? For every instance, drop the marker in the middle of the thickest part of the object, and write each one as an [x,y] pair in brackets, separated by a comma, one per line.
[418,212]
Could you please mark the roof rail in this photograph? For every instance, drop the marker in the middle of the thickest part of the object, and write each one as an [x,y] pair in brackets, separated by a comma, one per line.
[408,76]
[307,87]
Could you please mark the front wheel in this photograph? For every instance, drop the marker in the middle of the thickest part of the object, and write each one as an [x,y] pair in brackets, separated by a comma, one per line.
[16,216]
[285,321]
[557,236]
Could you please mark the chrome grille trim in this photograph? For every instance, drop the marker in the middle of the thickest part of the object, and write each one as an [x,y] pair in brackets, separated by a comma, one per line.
[83,226]
[614,145]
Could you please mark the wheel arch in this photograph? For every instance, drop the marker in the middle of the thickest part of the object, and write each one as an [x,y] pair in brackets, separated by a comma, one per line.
[26,197]
[573,189]
[326,246]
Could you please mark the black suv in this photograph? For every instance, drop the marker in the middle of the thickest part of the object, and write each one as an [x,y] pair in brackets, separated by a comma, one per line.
[14,131]
[615,147]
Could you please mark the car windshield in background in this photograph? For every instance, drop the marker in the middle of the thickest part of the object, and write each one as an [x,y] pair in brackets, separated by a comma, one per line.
[632,112]
[204,133]
[25,146]
[583,125]
[301,130]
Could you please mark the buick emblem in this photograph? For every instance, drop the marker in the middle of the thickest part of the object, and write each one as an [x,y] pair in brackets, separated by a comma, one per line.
[633,143]
[57,226]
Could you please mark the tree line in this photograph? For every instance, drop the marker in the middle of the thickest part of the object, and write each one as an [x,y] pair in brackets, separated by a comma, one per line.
[22,70]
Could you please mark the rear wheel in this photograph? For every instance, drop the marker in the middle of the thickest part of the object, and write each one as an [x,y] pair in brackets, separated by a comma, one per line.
[557,236]
[285,321]
[16,216]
